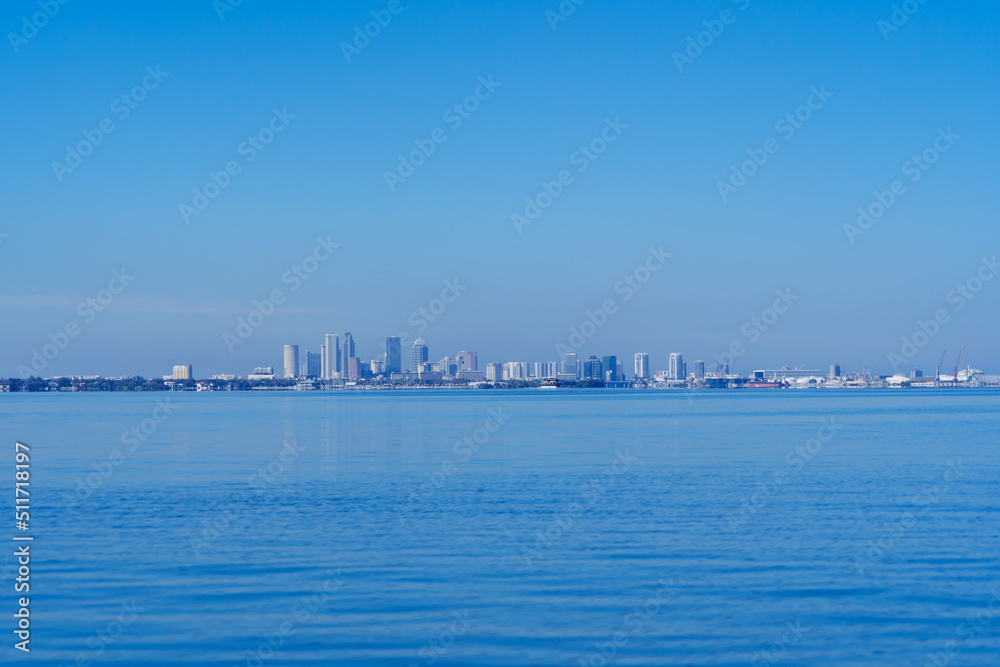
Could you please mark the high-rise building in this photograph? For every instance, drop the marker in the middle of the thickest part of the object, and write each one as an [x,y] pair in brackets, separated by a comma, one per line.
[676,368]
[592,369]
[354,368]
[449,365]
[393,355]
[346,354]
[699,369]
[313,364]
[331,366]
[641,366]
[570,365]
[291,361]
[609,368]
[470,360]
[418,355]
[835,370]
[494,372]
[181,372]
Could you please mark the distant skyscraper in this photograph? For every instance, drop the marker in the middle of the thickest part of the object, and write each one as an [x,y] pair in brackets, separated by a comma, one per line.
[393,355]
[642,366]
[331,366]
[181,372]
[418,355]
[313,364]
[346,354]
[676,369]
[699,369]
[570,365]
[470,359]
[291,361]
[835,370]
[494,372]
[592,369]
[610,365]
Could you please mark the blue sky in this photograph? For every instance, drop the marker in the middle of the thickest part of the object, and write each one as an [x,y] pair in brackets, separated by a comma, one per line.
[323,175]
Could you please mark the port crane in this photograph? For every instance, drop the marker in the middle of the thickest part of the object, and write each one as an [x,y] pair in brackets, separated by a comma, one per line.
[937,376]
[961,356]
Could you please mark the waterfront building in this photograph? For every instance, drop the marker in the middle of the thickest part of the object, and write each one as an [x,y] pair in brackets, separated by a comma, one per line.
[641,366]
[470,360]
[570,365]
[346,354]
[393,355]
[592,369]
[331,366]
[494,372]
[699,369]
[675,370]
[181,372]
[291,361]
[418,355]
[313,364]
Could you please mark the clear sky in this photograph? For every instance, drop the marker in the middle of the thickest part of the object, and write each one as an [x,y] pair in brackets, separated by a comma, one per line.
[678,127]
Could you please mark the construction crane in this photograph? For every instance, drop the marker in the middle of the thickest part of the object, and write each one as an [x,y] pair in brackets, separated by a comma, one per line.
[937,376]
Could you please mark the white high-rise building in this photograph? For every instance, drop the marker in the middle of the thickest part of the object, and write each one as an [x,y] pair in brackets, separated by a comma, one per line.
[676,368]
[291,361]
[642,366]
[181,372]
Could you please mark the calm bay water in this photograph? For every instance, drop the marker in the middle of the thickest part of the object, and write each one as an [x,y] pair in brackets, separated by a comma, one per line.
[414,528]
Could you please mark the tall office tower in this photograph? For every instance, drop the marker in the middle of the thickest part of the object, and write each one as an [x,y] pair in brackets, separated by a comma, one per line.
[331,368]
[377,367]
[322,361]
[835,370]
[620,370]
[313,364]
[539,369]
[346,354]
[684,370]
[592,369]
[609,365]
[418,355]
[393,355]
[354,368]
[291,361]
[494,372]
[449,365]
[676,369]
[181,372]
[699,369]
[641,366]
[471,360]
[551,369]
[569,365]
